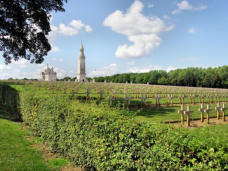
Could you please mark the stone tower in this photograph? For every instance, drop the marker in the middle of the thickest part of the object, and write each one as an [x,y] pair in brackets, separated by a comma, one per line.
[81,77]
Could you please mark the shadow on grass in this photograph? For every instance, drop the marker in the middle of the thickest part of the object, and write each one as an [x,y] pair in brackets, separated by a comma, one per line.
[9,101]
[152,112]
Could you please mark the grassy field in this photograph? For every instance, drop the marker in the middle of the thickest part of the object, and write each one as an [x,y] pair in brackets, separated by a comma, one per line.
[169,114]
[150,113]
[217,132]
[16,151]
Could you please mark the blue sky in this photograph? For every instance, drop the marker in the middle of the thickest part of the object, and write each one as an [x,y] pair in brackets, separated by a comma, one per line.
[133,36]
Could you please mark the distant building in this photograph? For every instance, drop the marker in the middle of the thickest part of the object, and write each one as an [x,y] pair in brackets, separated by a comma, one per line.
[81,77]
[48,74]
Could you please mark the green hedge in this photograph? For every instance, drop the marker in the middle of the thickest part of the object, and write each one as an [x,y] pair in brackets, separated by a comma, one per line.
[99,138]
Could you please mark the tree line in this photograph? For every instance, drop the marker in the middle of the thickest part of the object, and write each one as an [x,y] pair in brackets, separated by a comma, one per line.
[193,76]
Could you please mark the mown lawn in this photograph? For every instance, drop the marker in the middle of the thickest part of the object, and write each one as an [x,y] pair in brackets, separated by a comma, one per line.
[217,132]
[167,114]
[17,154]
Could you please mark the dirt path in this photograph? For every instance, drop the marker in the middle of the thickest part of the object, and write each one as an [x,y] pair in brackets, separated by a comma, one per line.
[198,123]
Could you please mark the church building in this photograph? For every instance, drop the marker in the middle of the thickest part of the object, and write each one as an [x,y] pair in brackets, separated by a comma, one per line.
[48,74]
[81,77]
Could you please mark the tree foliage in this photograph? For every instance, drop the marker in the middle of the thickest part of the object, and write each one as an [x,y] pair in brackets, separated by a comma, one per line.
[194,77]
[24,26]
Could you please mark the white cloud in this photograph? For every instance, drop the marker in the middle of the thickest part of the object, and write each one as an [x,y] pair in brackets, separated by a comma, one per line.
[105,71]
[74,27]
[131,63]
[170,68]
[22,63]
[52,34]
[24,69]
[150,68]
[61,73]
[54,48]
[141,30]
[20,69]
[185,5]
[113,69]
[77,24]
[4,67]
[88,28]
[150,6]
[192,30]
[67,30]
[144,69]
[51,37]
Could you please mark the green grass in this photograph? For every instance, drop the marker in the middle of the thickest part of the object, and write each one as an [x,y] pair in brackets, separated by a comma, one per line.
[218,135]
[167,114]
[16,152]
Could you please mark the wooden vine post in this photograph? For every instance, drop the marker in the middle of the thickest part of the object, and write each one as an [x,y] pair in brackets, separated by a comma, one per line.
[181,112]
[188,112]
[181,98]
[157,99]
[101,92]
[170,99]
[217,109]
[207,110]
[87,93]
[201,109]
[128,100]
[143,100]
[223,108]
[110,100]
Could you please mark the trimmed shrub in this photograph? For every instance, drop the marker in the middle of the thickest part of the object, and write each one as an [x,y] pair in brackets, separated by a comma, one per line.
[100,138]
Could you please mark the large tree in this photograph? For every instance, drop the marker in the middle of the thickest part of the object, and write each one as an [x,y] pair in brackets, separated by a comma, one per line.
[24,26]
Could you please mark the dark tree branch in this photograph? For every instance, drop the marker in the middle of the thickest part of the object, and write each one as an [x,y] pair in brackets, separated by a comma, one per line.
[24,26]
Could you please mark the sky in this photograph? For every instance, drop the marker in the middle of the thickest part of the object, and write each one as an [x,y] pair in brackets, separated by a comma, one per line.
[126,36]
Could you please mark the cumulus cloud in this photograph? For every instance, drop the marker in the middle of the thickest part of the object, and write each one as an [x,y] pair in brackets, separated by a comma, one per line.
[150,68]
[71,29]
[192,30]
[20,69]
[141,30]
[51,37]
[54,48]
[24,69]
[67,30]
[52,34]
[185,5]
[88,28]
[113,69]
[144,69]
[105,71]
[4,67]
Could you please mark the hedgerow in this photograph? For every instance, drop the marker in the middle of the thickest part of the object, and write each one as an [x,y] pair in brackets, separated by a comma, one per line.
[98,137]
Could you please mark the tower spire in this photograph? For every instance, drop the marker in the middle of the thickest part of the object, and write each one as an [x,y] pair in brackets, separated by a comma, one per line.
[81,47]
[81,77]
